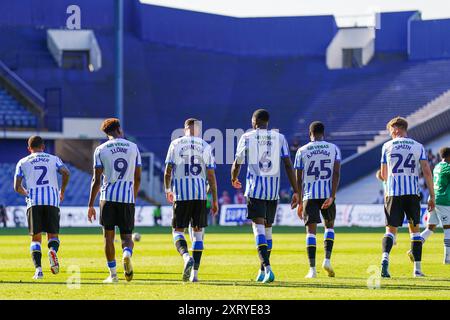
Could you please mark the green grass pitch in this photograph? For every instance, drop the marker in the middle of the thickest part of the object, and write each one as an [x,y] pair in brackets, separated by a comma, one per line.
[229,266]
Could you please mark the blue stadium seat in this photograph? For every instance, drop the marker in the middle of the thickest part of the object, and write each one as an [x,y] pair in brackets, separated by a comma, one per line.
[13,114]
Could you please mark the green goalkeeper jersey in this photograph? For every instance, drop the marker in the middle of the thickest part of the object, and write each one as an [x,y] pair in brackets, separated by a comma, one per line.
[441,174]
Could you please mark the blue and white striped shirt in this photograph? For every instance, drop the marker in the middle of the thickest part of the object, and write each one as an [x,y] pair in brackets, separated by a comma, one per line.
[190,157]
[39,172]
[262,150]
[402,157]
[317,159]
[119,159]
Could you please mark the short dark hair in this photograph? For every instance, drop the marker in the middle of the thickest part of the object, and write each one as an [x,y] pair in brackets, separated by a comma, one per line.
[110,125]
[316,128]
[190,122]
[261,115]
[35,142]
[398,122]
[444,152]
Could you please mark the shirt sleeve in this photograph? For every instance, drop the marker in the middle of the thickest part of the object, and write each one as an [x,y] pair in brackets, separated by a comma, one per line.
[138,158]
[298,163]
[97,161]
[241,150]
[170,158]
[338,156]
[383,154]
[19,172]
[59,164]
[210,161]
[284,147]
[423,154]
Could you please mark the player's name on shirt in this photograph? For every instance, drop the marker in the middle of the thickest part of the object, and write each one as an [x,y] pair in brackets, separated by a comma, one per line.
[191,157]
[40,175]
[402,156]
[317,159]
[263,150]
[119,159]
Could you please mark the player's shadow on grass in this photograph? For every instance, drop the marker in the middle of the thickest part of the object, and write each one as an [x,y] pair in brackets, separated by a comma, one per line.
[321,285]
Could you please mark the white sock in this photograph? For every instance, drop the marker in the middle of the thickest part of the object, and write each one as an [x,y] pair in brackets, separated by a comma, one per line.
[127,254]
[195,273]
[113,271]
[186,257]
[268,232]
[267,269]
[385,256]
[417,266]
[259,229]
[39,269]
[447,243]
[327,261]
[426,234]
[312,269]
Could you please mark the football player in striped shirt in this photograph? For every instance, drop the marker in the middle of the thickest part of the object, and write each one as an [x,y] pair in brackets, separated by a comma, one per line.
[119,162]
[263,149]
[441,214]
[39,172]
[190,166]
[318,166]
[401,159]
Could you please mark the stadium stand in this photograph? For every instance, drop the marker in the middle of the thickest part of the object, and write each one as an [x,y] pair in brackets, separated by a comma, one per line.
[13,114]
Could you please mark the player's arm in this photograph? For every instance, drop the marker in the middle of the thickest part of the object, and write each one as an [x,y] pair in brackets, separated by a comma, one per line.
[334,179]
[428,176]
[241,154]
[168,182]
[18,186]
[137,180]
[235,169]
[334,184]
[299,174]
[292,180]
[65,174]
[212,182]
[95,188]
[383,171]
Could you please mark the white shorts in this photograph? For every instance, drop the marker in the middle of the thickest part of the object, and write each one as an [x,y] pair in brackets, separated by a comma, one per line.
[440,215]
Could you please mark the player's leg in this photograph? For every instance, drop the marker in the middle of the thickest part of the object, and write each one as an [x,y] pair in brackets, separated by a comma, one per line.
[386,245]
[256,211]
[268,234]
[311,217]
[108,221]
[394,218]
[446,244]
[433,221]
[126,227]
[36,255]
[329,215]
[180,221]
[443,215]
[35,231]
[429,230]
[197,251]
[271,210]
[311,247]
[52,229]
[412,211]
[328,243]
[197,231]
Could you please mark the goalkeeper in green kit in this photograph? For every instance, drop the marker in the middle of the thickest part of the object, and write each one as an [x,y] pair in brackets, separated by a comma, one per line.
[441,214]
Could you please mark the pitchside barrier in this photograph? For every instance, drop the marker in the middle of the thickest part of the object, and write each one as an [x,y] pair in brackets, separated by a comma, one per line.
[371,215]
